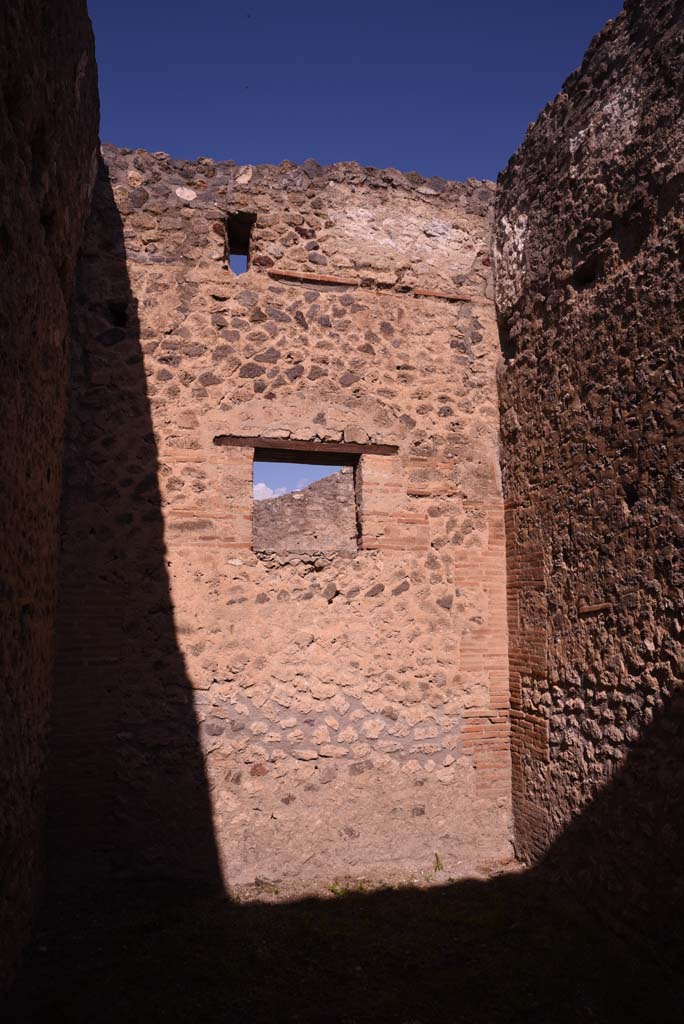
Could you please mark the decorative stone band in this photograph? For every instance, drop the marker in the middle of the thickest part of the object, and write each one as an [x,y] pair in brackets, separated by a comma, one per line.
[591,609]
[449,296]
[298,275]
[344,282]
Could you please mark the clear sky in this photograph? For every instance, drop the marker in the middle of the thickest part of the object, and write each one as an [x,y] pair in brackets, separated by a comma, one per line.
[271,479]
[442,87]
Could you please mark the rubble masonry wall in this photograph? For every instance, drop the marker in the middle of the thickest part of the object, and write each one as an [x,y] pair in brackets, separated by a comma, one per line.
[48,126]
[589,285]
[349,713]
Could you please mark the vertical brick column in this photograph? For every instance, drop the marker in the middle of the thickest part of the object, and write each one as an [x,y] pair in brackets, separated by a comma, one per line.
[527,663]
[387,522]
[217,513]
[486,730]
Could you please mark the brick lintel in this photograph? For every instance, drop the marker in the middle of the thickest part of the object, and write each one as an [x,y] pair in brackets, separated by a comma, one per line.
[301,277]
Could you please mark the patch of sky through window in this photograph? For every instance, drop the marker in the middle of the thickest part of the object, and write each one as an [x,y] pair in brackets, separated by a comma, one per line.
[271,479]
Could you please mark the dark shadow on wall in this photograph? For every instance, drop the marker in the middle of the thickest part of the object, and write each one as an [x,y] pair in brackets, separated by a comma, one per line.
[128,795]
[136,925]
[518,948]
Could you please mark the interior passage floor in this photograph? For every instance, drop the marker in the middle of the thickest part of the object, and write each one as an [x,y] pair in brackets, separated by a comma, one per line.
[512,949]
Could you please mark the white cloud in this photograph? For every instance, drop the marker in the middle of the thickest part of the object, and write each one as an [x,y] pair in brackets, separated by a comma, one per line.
[263,491]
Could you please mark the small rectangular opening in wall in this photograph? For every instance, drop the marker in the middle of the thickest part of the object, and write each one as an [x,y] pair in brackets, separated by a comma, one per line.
[304,503]
[238,264]
[238,238]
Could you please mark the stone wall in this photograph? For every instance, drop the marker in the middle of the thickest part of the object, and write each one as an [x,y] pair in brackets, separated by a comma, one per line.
[318,519]
[589,243]
[301,718]
[48,126]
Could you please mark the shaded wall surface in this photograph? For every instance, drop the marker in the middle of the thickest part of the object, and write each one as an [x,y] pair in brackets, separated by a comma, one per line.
[589,243]
[345,713]
[48,127]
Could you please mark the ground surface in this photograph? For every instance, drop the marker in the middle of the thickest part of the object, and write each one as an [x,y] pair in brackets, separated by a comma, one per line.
[510,949]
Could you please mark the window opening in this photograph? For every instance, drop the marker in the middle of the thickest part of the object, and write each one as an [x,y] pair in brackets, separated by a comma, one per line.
[273,479]
[304,503]
[238,263]
[238,237]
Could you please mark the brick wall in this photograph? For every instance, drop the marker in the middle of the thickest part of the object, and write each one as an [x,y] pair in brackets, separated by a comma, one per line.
[589,284]
[307,716]
[48,126]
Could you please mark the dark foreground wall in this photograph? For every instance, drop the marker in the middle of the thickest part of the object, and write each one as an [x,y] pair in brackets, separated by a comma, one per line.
[48,131]
[589,250]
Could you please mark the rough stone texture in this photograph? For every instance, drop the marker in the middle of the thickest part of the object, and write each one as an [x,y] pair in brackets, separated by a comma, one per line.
[318,519]
[344,713]
[589,244]
[48,127]
[231,711]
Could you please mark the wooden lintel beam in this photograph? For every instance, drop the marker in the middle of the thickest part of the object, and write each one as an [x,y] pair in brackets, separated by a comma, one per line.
[276,448]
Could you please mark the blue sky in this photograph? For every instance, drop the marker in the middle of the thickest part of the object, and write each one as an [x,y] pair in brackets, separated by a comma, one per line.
[272,479]
[445,88]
